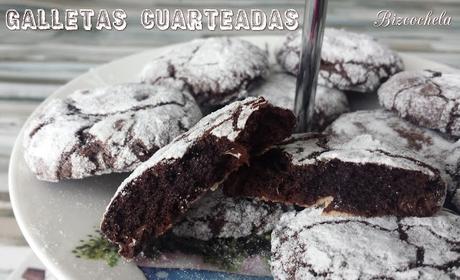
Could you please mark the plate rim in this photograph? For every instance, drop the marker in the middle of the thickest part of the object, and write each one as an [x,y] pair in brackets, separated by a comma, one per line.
[58,270]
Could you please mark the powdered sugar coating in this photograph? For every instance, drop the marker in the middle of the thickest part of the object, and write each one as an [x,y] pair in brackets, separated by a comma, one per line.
[349,61]
[218,216]
[307,149]
[279,89]
[105,130]
[426,98]
[220,123]
[308,245]
[215,70]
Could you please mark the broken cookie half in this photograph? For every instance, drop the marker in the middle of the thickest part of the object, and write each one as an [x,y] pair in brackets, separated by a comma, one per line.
[361,176]
[160,191]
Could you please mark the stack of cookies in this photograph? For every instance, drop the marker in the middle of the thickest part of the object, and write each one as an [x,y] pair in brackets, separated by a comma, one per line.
[207,137]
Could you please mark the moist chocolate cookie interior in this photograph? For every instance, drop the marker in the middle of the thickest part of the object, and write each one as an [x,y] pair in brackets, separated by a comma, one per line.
[162,194]
[266,127]
[365,190]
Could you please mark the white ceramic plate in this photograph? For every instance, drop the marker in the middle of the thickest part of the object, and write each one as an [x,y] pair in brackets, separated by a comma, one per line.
[54,216]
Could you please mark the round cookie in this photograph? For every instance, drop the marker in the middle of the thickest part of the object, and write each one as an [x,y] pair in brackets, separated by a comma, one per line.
[426,98]
[279,88]
[308,245]
[218,216]
[216,70]
[105,130]
[349,61]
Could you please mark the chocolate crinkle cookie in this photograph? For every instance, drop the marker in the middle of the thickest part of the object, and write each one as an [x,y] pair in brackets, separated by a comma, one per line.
[161,190]
[362,176]
[426,98]
[386,126]
[349,61]
[215,70]
[279,88]
[105,130]
[219,216]
[308,245]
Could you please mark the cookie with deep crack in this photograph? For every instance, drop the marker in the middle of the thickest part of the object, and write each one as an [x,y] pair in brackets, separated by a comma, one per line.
[161,190]
[308,245]
[362,176]
[349,61]
[104,130]
[279,88]
[219,216]
[215,70]
[388,127]
[426,98]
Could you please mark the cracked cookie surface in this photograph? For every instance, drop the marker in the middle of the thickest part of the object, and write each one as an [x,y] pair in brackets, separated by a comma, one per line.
[309,245]
[216,70]
[105,130]
[161,190]
[279,88]
[349,61]
[426,98]
[388,127]
[219,216]
[362,176]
